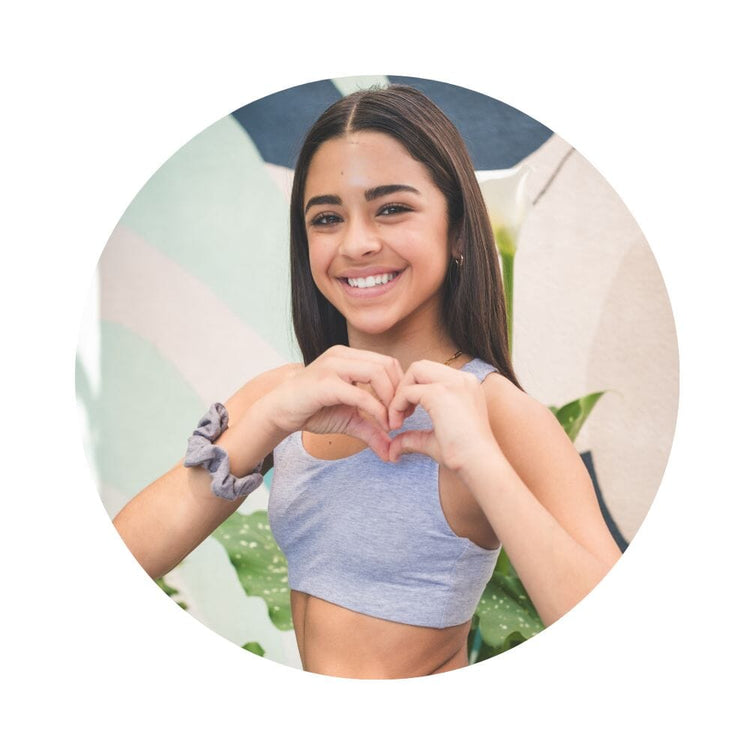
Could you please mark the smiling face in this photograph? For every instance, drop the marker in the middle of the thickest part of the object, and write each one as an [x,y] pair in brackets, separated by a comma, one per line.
[377,232]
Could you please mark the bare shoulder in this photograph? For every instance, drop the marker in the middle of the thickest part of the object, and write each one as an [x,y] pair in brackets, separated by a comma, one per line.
[513,412]
[259,386]
[527,431]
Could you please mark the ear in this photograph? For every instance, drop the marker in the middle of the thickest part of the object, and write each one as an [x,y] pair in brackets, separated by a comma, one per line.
[455,242]
[456,252]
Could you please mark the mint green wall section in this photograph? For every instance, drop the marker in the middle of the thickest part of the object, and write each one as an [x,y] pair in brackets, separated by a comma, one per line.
[143,415]
[213,208]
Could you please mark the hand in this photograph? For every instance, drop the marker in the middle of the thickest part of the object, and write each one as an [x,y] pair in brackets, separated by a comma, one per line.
[324,398]
[456,405]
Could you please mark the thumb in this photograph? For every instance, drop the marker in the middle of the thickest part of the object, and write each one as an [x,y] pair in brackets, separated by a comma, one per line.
[414,441]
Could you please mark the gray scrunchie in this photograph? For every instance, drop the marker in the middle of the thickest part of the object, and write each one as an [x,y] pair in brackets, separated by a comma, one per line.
[202,452]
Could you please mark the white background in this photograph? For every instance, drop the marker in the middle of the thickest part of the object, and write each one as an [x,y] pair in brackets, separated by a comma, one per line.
[97,97]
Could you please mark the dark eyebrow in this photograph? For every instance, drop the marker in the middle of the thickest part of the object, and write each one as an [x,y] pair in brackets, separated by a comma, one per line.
[381,190]
[370,195]
[322,200]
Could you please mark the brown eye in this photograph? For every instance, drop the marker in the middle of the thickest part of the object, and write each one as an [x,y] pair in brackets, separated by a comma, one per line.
[324,220]
[392,209]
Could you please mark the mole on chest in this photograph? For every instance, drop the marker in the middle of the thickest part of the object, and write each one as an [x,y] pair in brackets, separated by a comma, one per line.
[331,447]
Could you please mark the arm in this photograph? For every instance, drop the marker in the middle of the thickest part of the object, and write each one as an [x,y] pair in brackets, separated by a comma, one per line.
[539,499]
[174,514]
[525,474]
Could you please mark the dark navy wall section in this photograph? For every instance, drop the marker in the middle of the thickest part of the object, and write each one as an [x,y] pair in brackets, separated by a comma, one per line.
[497,135]
[277,124]
[614,529]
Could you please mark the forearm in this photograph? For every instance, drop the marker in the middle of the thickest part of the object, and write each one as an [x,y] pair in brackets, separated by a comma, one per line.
[169,518]
[556,570]
[173,515]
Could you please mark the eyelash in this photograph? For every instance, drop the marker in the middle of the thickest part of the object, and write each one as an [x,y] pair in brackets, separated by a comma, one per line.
[319,220]
[322,220]
[400,206]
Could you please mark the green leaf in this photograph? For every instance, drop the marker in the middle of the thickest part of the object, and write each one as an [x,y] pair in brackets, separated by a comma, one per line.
[165,587]
[507,250]
[503,566]
[505,609]
[255,648]
[260,564]
[169,591]
[572,415]
[486,651]
[514,639]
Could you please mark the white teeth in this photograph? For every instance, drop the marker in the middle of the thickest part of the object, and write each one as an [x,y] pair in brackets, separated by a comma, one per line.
[370,281]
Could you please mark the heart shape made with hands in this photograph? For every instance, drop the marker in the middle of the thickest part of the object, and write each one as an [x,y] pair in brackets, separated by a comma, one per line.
[367,396]
[455,402]
[368,428]
[389,448]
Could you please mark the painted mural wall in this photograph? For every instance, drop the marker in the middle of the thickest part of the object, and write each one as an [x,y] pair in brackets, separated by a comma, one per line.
[191,300]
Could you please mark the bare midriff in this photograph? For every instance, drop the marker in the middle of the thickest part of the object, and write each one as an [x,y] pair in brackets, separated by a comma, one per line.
[336,641]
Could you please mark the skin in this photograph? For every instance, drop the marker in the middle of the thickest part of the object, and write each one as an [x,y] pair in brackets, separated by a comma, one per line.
[507,469]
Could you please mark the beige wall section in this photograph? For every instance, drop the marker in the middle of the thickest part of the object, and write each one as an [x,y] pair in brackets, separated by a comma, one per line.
[592,313]
[145,291]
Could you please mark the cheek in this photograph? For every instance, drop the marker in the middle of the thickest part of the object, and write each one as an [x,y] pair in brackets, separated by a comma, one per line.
[319,261]
[435,249]
[316,258]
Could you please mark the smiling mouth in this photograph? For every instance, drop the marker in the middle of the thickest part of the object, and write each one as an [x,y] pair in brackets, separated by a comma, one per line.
[368,282]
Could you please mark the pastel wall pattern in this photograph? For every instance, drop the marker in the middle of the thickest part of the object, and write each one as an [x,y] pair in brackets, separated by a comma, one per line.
[191,300]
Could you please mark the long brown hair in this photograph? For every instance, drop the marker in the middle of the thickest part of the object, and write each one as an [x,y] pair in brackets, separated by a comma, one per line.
[473,302]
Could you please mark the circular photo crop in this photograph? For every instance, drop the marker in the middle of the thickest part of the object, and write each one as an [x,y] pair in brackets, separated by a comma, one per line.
[379,377]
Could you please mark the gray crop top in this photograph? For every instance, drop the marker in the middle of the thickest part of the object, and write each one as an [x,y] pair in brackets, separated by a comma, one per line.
[372,537]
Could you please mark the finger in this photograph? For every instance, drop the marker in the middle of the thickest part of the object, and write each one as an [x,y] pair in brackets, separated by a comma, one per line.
[370,433]
[390,364]
[396,418]
[421,372]
[426,371]
[414,441]
[404,401]
[404,415]
[396,372]
[340,392]
[372,373]
[391,367]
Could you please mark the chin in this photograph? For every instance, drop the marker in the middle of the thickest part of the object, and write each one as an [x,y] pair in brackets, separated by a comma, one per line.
[371,326]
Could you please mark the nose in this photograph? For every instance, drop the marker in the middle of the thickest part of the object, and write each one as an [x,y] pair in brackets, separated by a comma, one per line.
[360,238]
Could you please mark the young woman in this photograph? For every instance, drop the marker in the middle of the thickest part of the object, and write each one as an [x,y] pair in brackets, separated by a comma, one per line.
[405,451]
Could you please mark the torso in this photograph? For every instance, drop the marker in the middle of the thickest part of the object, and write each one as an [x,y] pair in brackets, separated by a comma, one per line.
[334,640]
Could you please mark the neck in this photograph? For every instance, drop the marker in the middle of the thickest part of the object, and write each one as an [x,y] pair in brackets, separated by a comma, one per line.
[432,343]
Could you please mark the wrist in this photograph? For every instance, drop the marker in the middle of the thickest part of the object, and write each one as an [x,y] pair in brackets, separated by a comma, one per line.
[251,438]
[486,465]
[263,419]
